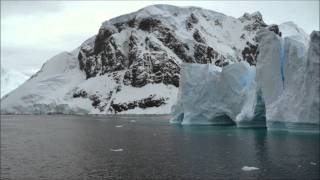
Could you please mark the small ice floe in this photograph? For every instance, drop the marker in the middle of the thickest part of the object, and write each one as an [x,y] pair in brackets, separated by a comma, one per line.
[248,168]
[313,163]
[119,126]
[299,166]
[116,150]
[133,121]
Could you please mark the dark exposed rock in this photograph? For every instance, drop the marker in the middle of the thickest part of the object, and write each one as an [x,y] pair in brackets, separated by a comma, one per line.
[150,101]
[256,21]
[192,19]
[153,68]
[100,39]
[81,61]
[204,54]
[95,100]
[274,28]
[132,23]
[82,93]
[217,22]
[109,59]
[221,62]
[139,76]
[120,26]
[197,36]
[173,43]
[148,24]
[255,26]
[132,55]
[249,53]
[118,88]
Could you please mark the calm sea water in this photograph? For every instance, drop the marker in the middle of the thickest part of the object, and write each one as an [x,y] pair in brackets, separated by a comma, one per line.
[148,147]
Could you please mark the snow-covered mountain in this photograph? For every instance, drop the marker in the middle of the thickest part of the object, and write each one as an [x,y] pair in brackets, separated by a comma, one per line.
[10,80]
[133,64]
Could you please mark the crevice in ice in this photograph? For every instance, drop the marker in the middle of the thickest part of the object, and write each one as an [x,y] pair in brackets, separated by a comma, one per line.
[282,59]
[260,108]
[223,119]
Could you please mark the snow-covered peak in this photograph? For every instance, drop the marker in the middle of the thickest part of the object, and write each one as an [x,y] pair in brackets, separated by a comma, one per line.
[255,16]
[161,11]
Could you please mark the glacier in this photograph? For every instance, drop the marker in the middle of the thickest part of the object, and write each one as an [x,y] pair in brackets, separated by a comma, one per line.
[280,93]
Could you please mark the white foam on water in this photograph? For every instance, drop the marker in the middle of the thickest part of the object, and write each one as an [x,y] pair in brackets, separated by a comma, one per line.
[313,163]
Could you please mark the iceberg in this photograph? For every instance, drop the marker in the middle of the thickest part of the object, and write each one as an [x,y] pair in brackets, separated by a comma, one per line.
[288,77]
[209,95]
[280,93]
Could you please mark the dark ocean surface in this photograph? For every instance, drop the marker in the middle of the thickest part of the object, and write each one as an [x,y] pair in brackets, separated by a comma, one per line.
[148,147]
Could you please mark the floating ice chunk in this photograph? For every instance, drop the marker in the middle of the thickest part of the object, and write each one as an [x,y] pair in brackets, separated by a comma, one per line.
[249,168]
[119,126]
[133,121]
[116,150]
[313,163]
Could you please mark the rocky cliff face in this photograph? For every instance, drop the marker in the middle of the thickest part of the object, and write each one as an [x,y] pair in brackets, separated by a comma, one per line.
[133,64]
[149,48]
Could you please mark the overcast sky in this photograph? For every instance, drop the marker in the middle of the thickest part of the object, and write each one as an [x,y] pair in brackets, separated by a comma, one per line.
[33,31]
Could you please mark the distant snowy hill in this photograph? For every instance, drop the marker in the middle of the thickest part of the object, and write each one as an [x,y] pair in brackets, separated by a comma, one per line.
[133,64]
[10,80]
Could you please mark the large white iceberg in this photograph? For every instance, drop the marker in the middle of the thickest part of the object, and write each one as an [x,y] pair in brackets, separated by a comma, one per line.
[209,95]
[288,77]
[281,92]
